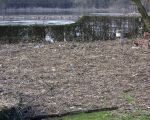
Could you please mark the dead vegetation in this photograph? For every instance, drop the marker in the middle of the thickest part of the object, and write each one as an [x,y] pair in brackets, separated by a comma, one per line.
[62,77]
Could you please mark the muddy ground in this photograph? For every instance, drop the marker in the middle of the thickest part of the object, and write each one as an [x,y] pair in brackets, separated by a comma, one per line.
[62,77]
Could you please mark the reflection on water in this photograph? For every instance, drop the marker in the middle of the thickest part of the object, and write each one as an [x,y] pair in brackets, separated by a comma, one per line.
[37,22]
[115,14]
[53,19]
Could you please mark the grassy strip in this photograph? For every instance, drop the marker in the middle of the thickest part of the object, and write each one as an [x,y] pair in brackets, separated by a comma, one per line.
[137,115]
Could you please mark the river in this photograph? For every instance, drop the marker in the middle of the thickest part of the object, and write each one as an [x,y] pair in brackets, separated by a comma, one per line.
[36,22]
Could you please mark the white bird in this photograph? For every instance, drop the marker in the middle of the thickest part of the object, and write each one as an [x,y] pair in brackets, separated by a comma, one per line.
[118,34]
[49,39]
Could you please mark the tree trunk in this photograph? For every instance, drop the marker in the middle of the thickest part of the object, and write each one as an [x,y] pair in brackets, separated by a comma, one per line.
[144,15]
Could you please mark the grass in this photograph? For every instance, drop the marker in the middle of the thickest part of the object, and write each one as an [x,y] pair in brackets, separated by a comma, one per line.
[129,98]
[136,115]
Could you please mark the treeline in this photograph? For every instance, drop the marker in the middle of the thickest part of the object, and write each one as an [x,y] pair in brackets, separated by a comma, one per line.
[67,4]
[61,3]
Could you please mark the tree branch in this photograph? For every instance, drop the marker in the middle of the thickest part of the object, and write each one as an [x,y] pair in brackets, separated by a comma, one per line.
[143,13]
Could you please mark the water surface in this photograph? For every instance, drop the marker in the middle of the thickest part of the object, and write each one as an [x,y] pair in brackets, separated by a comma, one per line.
[36,22]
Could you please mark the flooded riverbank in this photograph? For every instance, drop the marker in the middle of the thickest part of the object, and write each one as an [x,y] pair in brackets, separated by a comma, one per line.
[87,28]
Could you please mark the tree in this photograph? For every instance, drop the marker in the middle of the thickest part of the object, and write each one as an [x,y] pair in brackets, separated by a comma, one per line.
[143,12]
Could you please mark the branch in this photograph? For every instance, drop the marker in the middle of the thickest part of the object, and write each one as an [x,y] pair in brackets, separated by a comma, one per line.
[143,13]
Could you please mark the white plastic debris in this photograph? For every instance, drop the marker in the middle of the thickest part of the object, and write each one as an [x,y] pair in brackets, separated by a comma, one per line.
[72,107]
[80,109]
[118,34]
[37,46]
[72,67]
[53,69]
[77,34]
[135,47]
[134,75]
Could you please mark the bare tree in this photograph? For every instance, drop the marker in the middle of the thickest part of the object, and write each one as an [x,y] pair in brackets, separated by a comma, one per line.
[143,12]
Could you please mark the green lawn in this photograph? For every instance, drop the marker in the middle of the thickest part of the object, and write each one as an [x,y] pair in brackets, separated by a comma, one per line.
[138,115]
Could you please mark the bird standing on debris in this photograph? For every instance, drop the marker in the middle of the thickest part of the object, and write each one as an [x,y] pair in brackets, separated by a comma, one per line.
[48,38]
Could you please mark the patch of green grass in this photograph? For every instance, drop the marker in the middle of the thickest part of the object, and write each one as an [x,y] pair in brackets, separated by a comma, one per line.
[129,98]
[90,116]
[106,116]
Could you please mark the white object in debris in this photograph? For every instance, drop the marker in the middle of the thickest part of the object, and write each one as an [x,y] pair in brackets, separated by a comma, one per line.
[49,39]
[72,107]
[53,69]
[133,47]
[118,33]
[36,46]
[77,34]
